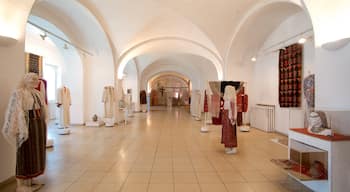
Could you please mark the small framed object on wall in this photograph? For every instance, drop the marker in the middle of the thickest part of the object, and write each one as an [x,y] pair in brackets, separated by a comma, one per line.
[34,64]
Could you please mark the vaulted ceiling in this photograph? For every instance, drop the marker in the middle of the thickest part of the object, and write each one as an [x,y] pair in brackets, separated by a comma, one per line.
[219,31]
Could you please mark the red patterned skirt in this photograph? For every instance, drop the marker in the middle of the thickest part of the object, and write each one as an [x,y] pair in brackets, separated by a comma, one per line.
[229,131]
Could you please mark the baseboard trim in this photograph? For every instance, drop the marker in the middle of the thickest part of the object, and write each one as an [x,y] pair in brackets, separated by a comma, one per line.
[7,181]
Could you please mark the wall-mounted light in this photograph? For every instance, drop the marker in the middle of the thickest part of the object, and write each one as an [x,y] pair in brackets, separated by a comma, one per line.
[253,59]
[302,40]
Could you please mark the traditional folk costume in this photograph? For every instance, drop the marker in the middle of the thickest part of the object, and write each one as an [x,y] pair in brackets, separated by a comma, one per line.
[108,99]
[25,128]
[64,102]
[143,100]
[229,115]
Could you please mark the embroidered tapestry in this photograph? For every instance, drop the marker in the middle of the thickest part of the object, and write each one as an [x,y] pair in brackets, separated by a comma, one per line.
[290,68]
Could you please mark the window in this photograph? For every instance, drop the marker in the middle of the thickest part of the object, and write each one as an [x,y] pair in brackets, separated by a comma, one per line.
[50,75]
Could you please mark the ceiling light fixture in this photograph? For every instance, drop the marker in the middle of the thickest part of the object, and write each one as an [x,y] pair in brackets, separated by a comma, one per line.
[253,59]
[43,36]
[302,40]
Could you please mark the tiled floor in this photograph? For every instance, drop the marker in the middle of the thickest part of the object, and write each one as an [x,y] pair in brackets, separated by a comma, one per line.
[163,151]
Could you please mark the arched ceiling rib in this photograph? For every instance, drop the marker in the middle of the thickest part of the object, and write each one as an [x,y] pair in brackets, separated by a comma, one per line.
[76,21]
[197,69]
[170,46]
[255,30]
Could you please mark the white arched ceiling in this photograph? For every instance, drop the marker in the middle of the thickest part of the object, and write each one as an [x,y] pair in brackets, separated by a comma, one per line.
[174,79]
[329,19]
[170,46]
[83,30]
[198,69]
[255,29]
[76,21]
[125,19]
[169,25]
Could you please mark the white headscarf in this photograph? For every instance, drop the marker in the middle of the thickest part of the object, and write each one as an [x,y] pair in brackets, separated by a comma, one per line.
[15,129]
[230,97]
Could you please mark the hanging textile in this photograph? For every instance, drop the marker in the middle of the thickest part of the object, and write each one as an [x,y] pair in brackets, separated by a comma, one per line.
[290,68]
[108,99]
[205,102]
[64,102]
[42,88]
[143,97]
[215,105]
[309,90]
[236,84]
[215,87]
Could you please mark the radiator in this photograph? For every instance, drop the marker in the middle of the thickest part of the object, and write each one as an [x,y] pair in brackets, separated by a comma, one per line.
[263,117]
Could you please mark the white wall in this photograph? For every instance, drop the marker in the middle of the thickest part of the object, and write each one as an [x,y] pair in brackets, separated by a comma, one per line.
[72,77]
[332,79]
[131,81]
[264,85]
[98,73]
[12,62]
[12,18]
[69,66]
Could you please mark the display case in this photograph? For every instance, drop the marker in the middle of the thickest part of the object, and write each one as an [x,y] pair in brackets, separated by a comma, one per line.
[323,160]
[307,162]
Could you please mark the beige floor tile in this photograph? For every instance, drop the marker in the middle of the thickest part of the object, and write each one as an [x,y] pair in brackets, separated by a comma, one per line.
[239,187]
[113,179]
[213,188]
[183,168]
[252,176]
[104,187]
[92,176]
[81,187]
[209,177]
[134,187]
[55,187]
[161,187]
[138,178]
[187,187]
[231,177]
[161,141]
[266,187]
[162,178]
[185,178]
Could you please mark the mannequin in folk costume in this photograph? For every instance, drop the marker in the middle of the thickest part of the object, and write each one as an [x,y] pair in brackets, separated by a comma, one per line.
[143,100]
[108,99]
[42,88]
[64,102]
[229,116]
[25,128]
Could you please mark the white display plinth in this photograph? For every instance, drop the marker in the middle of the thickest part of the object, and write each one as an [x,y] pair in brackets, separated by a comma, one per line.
[49,143]
[65,131]
[244,128]
[94,123]
[204,128]
[109,122]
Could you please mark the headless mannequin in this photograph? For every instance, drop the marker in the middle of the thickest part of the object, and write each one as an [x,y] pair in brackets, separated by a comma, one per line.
[229,133]
[18,130]
[30,83]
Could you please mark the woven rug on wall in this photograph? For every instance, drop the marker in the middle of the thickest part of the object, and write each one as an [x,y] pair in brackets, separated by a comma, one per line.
[290,73]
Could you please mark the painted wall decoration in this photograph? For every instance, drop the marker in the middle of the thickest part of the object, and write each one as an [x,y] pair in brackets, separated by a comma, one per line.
[309,90]
[290,73]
